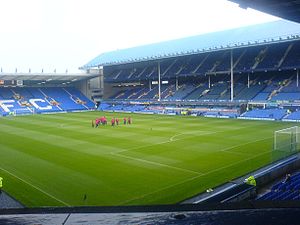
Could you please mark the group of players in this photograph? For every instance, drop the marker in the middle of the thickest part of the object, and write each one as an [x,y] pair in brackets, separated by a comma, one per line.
[114,121]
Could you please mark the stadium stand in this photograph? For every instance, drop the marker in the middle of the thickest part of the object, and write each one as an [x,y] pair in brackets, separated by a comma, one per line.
[284,190]
[293,116]
[41,100]
[265,70]
[265,66]
[182,92]
[262,74]
[275,114]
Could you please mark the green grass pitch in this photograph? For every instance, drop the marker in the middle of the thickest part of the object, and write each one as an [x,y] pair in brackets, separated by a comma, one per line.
[57,159]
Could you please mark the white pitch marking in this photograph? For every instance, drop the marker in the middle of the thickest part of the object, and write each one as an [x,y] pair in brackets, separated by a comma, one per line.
[239,145]
[192,178]
[201,134]
[37,188]
[156,163]
[171,139]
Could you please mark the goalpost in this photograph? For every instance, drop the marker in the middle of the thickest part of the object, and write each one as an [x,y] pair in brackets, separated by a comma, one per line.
[286,142]
[23,111]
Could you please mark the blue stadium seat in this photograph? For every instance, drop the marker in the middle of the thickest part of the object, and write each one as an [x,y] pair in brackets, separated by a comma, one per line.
[46,99]
[284,191]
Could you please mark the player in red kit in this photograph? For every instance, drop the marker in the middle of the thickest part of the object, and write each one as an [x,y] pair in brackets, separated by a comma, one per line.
[129,120]
[113,121]
[97,123]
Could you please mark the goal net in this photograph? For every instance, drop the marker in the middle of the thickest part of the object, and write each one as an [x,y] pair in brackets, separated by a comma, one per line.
[23,111]
[286,142]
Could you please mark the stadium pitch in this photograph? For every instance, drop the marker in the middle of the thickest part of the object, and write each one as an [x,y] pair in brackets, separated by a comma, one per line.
[60,160]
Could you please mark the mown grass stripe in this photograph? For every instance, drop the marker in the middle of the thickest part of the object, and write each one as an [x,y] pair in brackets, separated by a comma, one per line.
[35,187]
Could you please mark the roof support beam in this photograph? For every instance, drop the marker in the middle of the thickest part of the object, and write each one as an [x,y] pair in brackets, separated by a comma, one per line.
[158,64]
[231,75]
[297,77]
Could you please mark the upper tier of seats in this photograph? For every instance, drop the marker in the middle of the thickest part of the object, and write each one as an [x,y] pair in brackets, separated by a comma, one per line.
[258,58]
[46,99]
[261,88]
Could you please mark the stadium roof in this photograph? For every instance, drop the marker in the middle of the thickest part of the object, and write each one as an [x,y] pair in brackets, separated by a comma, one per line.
[287,9]
[272,32]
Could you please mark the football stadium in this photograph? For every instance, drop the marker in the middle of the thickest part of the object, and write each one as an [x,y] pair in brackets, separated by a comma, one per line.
[162,131]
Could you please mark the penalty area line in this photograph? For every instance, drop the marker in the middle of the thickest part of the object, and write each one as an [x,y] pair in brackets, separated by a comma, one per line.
[190,179]
[170,140]
[193,134]
[240,145]
[35,187]
[156,163]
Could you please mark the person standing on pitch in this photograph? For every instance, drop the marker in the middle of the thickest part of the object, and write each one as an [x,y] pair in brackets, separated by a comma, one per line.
[113,122]
[1,184]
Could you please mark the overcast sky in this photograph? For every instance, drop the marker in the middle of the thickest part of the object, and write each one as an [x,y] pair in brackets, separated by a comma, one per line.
[66,34]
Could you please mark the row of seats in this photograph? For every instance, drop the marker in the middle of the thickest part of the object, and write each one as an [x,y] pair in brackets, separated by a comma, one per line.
[284,190]
[293,116]
[212,111]
[272,114]
[121,107]
[275,113]
[257,91]
[221,114]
